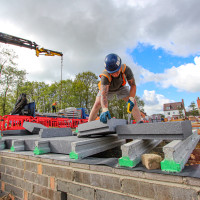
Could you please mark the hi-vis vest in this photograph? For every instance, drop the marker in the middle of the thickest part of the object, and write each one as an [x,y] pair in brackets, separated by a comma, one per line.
[54,104]
[109,77]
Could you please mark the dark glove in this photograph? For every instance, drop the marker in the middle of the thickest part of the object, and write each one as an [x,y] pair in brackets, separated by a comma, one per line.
[104,116]
[130,104]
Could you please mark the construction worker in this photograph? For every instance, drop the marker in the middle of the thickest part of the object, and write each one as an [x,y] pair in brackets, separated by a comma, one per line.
[54,106]
[113,81]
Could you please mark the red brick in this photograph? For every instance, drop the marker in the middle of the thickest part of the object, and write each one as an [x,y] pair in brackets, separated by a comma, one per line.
[52,183]
[2,186]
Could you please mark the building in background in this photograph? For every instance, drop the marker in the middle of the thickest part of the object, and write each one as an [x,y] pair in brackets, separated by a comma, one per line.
[156,118]
[198,104]
[174,110]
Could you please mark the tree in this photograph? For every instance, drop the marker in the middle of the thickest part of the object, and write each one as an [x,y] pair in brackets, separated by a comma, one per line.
[10,79]
[67,94]
[118,108]
[85,89]
[193,106]
[36,91]
[193,111]
[7,57]
[181,113]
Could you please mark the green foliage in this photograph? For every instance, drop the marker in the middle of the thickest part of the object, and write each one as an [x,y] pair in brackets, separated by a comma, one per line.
[78,93]
[85,89]
[118,108]
[193,111]
[11,80]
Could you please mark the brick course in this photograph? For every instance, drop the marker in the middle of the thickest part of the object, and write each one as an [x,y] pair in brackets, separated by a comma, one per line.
[31,178]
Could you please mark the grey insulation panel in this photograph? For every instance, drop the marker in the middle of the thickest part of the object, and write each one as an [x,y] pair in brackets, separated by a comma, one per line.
[98,128]
[160,130]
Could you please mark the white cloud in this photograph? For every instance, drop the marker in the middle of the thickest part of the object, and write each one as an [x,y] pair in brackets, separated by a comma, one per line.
[154,102]
[184,77]
[86,31]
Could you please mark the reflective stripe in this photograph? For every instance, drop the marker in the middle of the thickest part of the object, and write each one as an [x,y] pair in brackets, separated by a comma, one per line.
[123,74]
[109,77]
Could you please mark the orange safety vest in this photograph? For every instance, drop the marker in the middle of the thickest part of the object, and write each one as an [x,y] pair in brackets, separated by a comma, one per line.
[109,77]
[54,104]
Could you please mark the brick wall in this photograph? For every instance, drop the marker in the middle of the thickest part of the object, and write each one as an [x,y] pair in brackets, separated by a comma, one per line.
[33,178]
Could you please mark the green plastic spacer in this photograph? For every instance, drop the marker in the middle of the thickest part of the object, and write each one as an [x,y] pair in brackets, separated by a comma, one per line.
[12,149]
[38,151]
[125,161]
[76,131]
[73,155]
[171,166]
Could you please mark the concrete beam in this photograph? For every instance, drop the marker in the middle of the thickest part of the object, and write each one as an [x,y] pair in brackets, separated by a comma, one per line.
[18,145]
[178,152]
[22,144]
[33,127]
[16,132]
[132,151]
[161,130]
[91,146]
[55,132]
[61,145]
[98,128]
[8,139]
[42,147]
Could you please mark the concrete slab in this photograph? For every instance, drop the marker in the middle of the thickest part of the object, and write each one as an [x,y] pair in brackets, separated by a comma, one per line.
[62,145]
[55,132]
[98,128]
[16,132]
[85,148]
[160,130]
[132,151]
[33,127]
[2,144]
[178,152]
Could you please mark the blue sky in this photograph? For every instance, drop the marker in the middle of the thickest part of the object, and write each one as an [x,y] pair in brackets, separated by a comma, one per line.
[159,40]
[157,61]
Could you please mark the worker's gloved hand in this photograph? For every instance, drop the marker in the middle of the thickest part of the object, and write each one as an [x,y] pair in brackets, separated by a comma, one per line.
[104,115]
[130,104]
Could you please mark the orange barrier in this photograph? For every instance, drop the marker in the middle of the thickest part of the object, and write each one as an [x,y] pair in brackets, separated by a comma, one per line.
[144,121]
[15,122]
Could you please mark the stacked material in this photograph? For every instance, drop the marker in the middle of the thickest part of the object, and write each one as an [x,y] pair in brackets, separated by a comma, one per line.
[98,128]
[149,135]
[95,137]
[178,130]
[60,140]
[71,113]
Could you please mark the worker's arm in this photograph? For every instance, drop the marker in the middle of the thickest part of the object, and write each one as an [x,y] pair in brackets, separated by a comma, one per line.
[104,96]
[131,101]
[131,82]
[104,104]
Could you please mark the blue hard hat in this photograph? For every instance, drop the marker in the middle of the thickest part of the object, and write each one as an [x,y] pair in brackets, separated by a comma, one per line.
[112,63]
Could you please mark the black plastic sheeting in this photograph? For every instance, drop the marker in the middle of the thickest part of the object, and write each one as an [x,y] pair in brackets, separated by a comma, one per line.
[188,171]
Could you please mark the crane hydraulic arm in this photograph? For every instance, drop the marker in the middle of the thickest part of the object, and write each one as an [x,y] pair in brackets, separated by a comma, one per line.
[9,39]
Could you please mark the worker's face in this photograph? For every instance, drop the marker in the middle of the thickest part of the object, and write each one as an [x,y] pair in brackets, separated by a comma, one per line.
[116,74]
